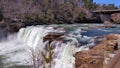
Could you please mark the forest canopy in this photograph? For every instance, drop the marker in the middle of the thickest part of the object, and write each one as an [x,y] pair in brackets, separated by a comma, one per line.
[51,11]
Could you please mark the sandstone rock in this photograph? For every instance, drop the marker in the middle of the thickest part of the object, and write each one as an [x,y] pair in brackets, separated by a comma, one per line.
[107,45]
[89,59]
[112,36]
[115,62]
[53,36]
[115,17]
[107,22]
[99,39]
[98,56]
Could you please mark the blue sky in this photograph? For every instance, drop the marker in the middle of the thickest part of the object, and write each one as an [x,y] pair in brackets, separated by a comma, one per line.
[116,2]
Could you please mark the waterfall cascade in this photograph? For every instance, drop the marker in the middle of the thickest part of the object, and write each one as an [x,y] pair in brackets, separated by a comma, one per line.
[25,47]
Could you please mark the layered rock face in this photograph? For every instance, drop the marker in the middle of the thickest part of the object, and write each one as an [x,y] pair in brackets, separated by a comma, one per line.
[100,55]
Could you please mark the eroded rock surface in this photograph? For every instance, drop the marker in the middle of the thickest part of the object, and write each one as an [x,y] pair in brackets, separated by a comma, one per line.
[100,55]
[53,36]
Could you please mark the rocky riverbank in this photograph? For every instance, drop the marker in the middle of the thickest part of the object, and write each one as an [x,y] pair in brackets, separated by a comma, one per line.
[100,55]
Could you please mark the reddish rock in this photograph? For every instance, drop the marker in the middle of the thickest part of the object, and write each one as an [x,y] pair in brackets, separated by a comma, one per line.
[115,17]
[99,55]
[53,36]
[112,37]
[107,45]
[115,62]
[89,59]
[107,22]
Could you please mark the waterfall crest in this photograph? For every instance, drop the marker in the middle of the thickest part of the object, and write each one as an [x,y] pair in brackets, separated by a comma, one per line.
[28,43]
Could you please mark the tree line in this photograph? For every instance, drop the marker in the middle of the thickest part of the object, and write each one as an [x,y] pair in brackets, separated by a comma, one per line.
[51,11]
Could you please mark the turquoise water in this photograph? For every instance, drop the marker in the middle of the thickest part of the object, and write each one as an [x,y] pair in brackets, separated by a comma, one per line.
[101,31]
[92,30]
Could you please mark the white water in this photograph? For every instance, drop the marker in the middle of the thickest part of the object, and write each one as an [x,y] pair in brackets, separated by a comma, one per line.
[28,42]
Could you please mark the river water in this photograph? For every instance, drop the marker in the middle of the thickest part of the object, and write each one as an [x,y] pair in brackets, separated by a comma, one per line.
[25,49]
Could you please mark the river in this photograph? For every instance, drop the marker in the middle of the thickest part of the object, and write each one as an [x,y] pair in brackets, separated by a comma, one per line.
[26,48]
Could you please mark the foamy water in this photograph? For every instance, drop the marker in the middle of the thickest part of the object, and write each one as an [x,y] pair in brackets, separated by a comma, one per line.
[21,48]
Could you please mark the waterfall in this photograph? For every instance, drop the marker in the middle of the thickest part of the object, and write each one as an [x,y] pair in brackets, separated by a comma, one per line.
[27,44]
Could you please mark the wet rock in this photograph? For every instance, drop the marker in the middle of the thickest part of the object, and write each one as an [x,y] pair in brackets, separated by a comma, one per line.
[101,26]
[7,28]
[53,36]
[107,22]
[98,56]
[10,26]
[13,27]
[3,24]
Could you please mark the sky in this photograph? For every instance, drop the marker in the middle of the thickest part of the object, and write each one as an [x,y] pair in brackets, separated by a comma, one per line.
[116,2]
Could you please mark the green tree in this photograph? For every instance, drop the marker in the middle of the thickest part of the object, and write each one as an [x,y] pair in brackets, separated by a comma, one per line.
[88,4]
[111,6]
[48,58]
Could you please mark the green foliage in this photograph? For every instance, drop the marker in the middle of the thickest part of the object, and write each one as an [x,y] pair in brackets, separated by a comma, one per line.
[48,58]
[72,2]
[49,15]
[108,7]
[65,1]
[82,16]
[88,4]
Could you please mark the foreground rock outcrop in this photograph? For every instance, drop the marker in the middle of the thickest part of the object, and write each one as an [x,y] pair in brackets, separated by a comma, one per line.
[100,55]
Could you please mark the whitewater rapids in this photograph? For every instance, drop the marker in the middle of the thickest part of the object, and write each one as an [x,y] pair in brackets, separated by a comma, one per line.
[22,47]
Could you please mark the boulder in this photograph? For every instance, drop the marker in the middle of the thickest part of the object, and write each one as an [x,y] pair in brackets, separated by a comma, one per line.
[107,22]
[115,17]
